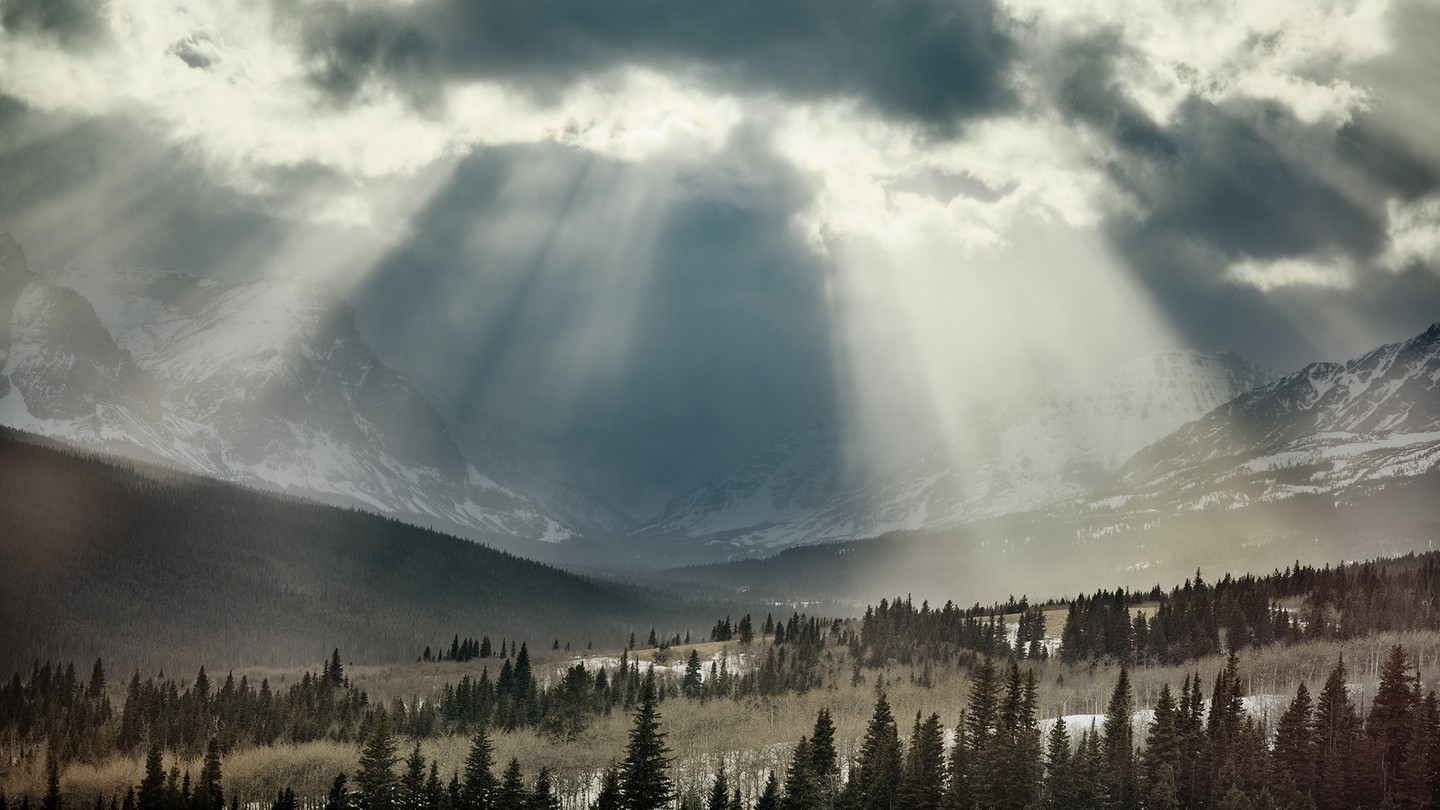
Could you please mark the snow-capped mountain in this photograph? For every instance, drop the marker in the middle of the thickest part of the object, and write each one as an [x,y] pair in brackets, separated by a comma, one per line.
[1046,443]
[1328,428]
[263,382]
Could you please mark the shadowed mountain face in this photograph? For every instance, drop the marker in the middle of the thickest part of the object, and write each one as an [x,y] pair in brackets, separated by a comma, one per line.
[264,382]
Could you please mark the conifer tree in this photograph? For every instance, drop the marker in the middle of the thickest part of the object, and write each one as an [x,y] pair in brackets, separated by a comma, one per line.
[375,778]
[544,796]
[511,792]
[1336,734]
[1162,744]
[769,797]
[922,786]
[152,786]
[52,783]
[878,769]
[959,793]
[1293,758]
[478,792]
[1058,792]
[1389,722]
[412,782]
[610,797]
[209,795]
[1119,745]
[801,792]
[691,685]
[644,775]
[719,791]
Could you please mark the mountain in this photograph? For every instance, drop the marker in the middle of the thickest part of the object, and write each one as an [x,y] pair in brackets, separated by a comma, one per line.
[264,382]
[1329,428]
[1334,460]
[1042,445]
[159,568]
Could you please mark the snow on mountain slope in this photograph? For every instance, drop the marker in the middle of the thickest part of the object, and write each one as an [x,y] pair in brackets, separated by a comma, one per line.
[1326,428]
[787,480]
[1046,443]
[263,382]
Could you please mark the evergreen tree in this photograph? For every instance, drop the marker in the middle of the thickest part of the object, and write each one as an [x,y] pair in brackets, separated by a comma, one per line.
[746,630]
[511,793]
[209,795]
[769,797]
[1058,792]
[959,792]
[801,791]
[692,684]
[1119,745]
[610,797]
[544,797]
[1163,744]
[152,786]
[878,769]
[339,797]
[923,783]
[1293,758]
[412,782]
[375,777]
[478,792]
[644,775]
[825,761]
[1336,734]
[52,783]
[1389,722]
[719,791]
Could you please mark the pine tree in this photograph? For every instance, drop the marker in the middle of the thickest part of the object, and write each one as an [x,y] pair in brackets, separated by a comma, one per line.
[412,783]
[769,797]
[209,795]
[1058,792]
[544,797]
[610,797]
[923,783]
[1293,758]
[801,792]
[959,792]
[1163,743]
[52,783]
[1388,724]
[878,769]
[1336,735]
[644,775]
[479,790]
[375,778]
[152,786]
[692,684]
[1119,745]
[719,791]
[339,798]
[511,792]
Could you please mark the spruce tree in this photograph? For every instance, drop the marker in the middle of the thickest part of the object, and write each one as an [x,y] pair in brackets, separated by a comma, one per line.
[1388,724]
[644,775]
[511,792]
[1336,734]
[769,797]
[544,796]
[719,791]
[412,783]
[1119,745]
[375,778]
[1058,792]
[959,793]
[922,786]
[1293,758]
[878,769]
[610,797]
[692,684]
[339,797]
[478,792]
[152,785]
[52,783]
[1163,743]
[801,792]
[209,795]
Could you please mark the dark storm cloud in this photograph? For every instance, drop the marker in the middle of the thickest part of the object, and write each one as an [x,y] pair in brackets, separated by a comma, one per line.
[934,62]
[1243,179]
[70,22]
[722,325]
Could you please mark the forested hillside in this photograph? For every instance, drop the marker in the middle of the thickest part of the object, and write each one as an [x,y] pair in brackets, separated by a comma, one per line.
[162,569]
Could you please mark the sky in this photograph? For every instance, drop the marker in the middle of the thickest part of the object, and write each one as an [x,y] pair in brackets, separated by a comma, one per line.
[646,237]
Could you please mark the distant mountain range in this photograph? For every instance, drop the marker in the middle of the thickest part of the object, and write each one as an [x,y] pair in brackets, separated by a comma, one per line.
[265,383]
[269,383]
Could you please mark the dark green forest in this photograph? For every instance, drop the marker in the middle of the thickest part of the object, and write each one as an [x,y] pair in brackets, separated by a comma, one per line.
[161,569]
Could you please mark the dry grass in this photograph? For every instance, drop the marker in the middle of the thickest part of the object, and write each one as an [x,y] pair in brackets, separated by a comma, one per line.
[752,737]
